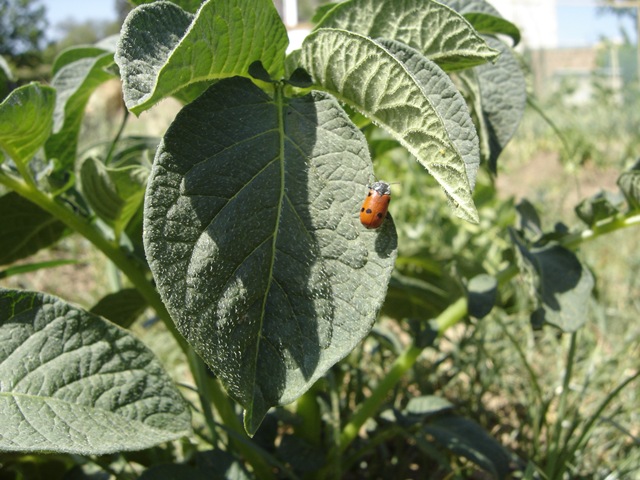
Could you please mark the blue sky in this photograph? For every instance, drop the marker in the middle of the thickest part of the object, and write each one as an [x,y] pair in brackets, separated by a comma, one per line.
[578,22]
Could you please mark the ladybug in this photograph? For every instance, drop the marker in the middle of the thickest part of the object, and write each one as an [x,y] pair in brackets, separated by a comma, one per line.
[375,206]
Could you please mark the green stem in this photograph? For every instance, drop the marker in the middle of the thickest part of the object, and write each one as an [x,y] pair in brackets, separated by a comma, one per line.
[449,317]
[370,406]
[120,258]
[555,447]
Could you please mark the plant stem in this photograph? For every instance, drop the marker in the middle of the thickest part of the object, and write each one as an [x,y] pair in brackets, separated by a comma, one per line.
[449,317]
[120,258]
[369,407]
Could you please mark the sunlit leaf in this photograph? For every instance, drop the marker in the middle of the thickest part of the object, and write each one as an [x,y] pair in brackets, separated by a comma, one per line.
[71,382]
[253,237]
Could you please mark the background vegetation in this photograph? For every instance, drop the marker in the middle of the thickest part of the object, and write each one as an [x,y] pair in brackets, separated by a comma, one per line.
[550,399]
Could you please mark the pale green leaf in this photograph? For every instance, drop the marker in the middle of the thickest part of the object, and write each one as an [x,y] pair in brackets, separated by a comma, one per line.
[164,50]
[488,24]
[72,382]
[369,77]
[252,235]
[115,194]
[26,228]
[74,54]
[26,119]
[435,30]
[74,83]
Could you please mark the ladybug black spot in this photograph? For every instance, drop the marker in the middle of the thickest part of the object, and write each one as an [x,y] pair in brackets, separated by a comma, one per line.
[368,210]
[362,209]
[379,215]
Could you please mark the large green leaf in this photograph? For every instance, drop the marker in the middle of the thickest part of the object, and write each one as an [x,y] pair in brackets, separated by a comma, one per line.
[562,284]
[26,118]
[71,382]
[164,50]
[26,228]
[498,95]
[370,77]
[253,238]
[6,78]
[74,83]
[433,29]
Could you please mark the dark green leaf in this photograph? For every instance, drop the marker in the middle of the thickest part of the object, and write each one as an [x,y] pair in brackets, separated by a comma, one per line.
[26,228]
[164,49]
[467,439]
[498,97]
[468,6]
[73,383]
[302,456]
[528,219]
[435,30]
[395,99]
[74,83]
[482,292]
[629,183]
[252,235]
[257,71]
[26,119]
[300,78]
[122,307]
[562,283]
[596,208]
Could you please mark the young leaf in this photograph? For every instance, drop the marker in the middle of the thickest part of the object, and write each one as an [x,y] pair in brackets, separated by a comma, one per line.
[498,95]
[26,228]
[26,118]
[598,207]
[435,30]
[447,102]
[71,382]
[115,194]
[369,77]
[74,83]
[563,284]
[163,49]
[492,25]
[629,183]
[252,235]
[122,307]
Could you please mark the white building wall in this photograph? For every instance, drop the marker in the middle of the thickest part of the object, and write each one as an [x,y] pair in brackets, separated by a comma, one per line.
[537,20]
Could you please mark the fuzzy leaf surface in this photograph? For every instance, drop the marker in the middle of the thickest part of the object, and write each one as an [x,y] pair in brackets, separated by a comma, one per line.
[71,382]
[164,50]
[252,235]
[435,30]
[26,119]
[369,77]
